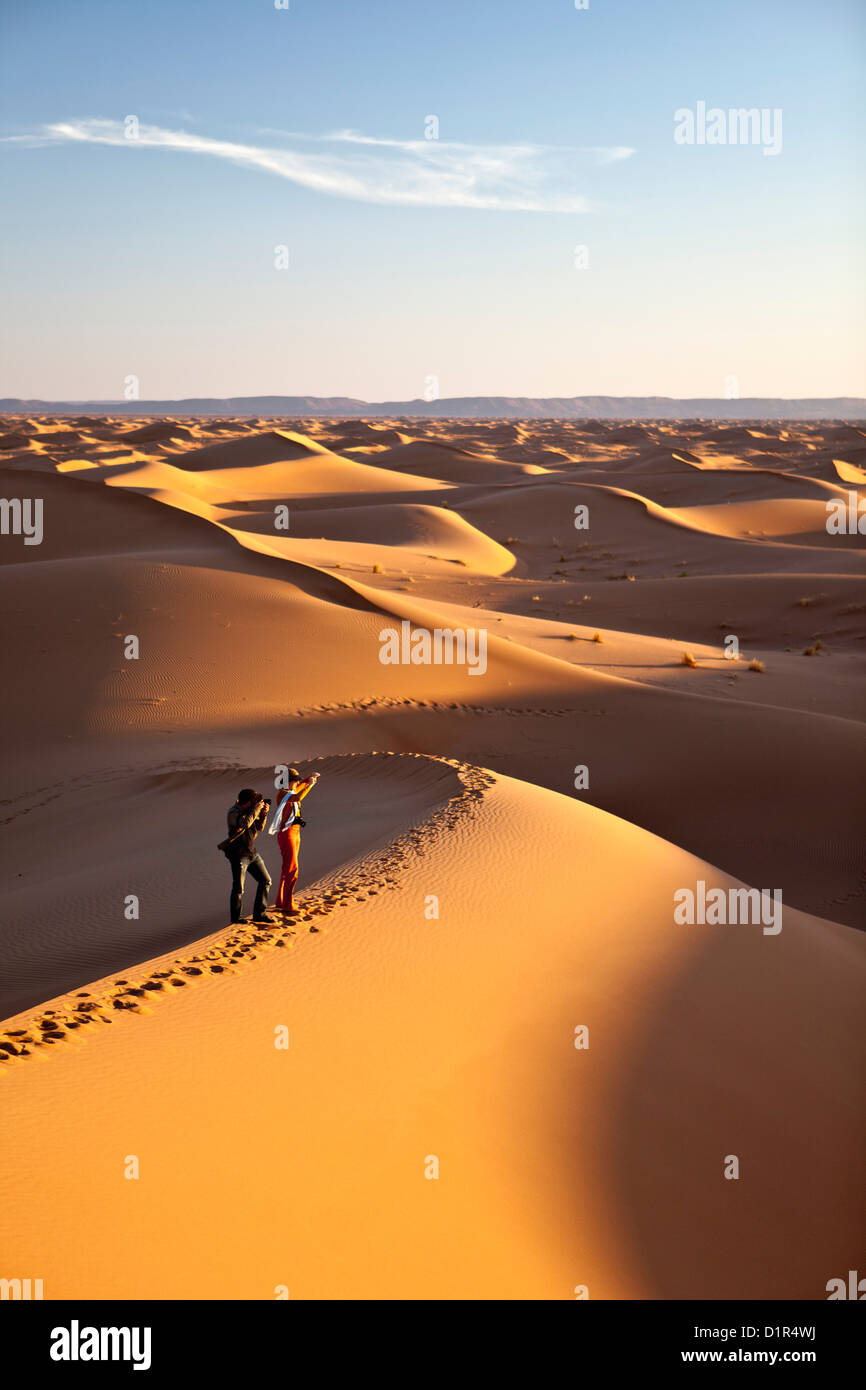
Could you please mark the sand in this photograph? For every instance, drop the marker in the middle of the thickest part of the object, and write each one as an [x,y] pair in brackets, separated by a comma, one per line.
[431,1130]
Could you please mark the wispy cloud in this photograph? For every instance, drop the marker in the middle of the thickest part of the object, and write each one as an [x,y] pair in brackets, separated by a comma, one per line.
[421,173]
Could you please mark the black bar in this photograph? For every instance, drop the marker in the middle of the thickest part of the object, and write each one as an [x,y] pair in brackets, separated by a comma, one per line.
[595,1339]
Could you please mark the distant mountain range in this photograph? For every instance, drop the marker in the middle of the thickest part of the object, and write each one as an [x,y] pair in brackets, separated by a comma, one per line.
[469,407]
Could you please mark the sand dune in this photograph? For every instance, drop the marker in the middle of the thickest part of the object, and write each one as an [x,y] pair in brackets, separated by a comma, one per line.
[436,459]
[159,433]
[418,1034]
[266,446]
[739,482]
[85,520]
[539,524]
[317,475]
[620,1144]
[427,531]
[852,472]
[15,440]
[357,434]
[72,939]
[795,520]
[786,680]
[657,461]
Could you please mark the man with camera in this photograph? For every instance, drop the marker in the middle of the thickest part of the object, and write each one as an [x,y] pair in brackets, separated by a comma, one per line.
[245,819]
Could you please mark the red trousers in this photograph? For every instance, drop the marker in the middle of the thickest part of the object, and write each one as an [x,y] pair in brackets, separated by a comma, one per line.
[289,842]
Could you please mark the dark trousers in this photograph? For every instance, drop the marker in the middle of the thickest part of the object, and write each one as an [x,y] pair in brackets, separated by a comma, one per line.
[255,865]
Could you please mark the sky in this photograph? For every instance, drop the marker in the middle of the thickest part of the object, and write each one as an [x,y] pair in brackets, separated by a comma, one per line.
[392,199]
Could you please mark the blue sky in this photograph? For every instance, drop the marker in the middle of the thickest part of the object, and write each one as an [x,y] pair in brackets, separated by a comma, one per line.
[412,259]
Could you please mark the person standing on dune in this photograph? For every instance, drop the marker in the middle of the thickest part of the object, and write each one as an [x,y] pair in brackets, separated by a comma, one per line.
[245,819]
[286,825]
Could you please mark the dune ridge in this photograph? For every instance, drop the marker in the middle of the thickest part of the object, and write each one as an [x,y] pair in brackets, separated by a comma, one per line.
[613,1158]
[489,863]
[227,951]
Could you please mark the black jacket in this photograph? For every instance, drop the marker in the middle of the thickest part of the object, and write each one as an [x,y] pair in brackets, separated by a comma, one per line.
[249,823]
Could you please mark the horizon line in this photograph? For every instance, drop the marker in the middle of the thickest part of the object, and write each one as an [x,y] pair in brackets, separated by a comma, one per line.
[572,408]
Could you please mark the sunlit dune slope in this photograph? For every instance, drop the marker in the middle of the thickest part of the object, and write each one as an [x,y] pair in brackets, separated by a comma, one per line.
[444,1045]
[427,531]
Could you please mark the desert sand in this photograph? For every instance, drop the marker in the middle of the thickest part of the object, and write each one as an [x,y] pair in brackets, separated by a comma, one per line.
[468,913]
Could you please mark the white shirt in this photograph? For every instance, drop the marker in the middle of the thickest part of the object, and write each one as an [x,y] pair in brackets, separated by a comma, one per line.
[278,823]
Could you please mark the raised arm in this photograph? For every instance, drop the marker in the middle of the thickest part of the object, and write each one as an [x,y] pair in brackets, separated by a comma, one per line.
[306,786]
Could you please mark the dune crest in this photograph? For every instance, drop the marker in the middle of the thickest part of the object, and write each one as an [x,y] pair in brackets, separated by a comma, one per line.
[597,1173]
[486,1015]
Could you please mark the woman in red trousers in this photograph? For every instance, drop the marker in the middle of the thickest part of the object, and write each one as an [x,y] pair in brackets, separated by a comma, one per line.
[286,826]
